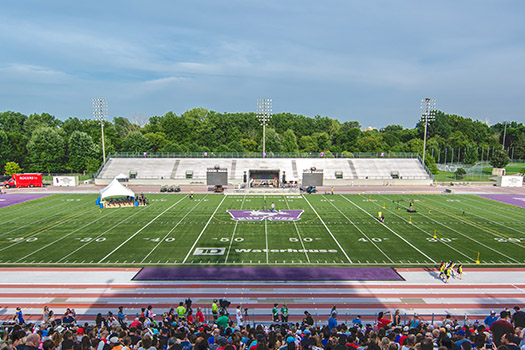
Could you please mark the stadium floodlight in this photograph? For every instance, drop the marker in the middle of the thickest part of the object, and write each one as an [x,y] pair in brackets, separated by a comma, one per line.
[428,112]
[100,112]
[504,135]
[264,113]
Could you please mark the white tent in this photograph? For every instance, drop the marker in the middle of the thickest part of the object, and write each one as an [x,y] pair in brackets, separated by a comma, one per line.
[121,177]
[115,189]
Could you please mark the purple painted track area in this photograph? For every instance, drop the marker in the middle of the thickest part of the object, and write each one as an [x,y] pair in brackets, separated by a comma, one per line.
[514,199]
[267,274]
[11,199]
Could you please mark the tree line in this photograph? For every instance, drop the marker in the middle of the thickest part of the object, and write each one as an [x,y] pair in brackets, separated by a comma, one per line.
[43,143]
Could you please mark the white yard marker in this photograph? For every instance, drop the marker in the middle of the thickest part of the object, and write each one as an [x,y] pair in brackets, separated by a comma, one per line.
[209,220]
[326,227]
[389,229]
[140,230]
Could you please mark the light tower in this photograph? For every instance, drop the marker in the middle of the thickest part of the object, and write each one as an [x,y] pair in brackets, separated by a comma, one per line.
[428,112]
[264,114]
[100,112]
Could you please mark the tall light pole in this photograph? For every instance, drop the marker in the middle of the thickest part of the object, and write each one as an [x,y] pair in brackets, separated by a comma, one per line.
[100,112]
[504,135]
[428,112]
[264,114]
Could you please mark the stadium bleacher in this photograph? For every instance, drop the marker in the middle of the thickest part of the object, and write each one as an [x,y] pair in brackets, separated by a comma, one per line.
[373,171]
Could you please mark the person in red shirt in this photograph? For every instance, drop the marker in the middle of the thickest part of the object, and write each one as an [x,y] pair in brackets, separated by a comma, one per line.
[199,316]
[383,322]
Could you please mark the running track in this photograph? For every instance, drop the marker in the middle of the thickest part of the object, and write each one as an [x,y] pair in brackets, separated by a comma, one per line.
[94,290]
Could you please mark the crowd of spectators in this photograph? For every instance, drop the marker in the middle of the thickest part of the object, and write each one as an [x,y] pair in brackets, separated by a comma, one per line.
[125,202]
[181,329]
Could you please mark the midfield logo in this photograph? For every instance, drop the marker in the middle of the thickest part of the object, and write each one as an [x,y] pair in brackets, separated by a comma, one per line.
[260,215]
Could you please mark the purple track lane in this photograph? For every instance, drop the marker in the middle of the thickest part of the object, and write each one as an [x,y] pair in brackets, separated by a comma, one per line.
[268,274]
[7,200]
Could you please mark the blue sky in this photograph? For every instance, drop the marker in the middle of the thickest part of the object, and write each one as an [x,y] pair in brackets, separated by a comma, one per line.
[371,61]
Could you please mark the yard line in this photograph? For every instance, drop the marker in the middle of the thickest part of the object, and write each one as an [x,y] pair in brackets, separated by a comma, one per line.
[470,238]
[36,233]
[37,221]
[59,239]
[32,212]
[103,233]
[298,234]
[479,216]
[427,233]
[507,209]
[350,221]
[233,234]
[140,230]
[209,220]
[388,228]
[174,227]
[326,227]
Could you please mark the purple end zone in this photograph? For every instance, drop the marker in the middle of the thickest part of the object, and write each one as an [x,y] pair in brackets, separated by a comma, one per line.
[514,199]
[12,199]
[267,274]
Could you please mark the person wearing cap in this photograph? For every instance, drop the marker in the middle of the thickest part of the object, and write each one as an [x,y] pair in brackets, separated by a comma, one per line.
[215,309]
[121,317]
[356,322]
[18,317]
[223,320]
[518,318]
[500,327]
[415,322]
[460,336]
[308,319]
[489,320]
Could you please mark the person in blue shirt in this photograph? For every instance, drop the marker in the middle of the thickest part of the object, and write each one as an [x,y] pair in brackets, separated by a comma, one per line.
[18,317]
[357,321]
[490,318]
[332,321]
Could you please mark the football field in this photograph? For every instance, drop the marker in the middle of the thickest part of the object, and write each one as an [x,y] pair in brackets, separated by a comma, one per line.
[302,230]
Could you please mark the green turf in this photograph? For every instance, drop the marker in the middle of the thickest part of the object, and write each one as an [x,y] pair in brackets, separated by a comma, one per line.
[338,230]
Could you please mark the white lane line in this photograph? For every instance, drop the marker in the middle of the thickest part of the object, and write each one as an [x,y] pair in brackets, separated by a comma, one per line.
[140,230]
[389,229]
[197,240]
[327,229]
[174,227]
[368,238]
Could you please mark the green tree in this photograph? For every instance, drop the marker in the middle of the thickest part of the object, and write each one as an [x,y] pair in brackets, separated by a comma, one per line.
[5,149]
[47,150]
[81,150]
[308,144]
[123,126]
[12,168]
[249,145]
[157,140]
[500,159]
[290,142]
[470,155]
[323,142]
[135,142]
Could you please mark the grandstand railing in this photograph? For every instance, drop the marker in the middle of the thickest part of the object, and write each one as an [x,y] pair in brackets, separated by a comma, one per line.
[260,155]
